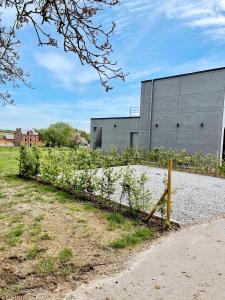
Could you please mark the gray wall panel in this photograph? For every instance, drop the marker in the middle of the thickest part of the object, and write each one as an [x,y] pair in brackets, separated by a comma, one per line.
[210,120]
[163,138]
[145,97]
[146,104]
[164,121]
[166,87]
[198,141]
[165,104]
[201,102]
[202,82]
[134,124]
[144,139]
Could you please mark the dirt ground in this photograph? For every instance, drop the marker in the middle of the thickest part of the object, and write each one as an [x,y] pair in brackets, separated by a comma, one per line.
[187,265]
[50,242]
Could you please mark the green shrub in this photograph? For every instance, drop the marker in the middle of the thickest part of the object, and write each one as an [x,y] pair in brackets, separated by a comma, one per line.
[78,171]
[134,191]
[29,161]
[222,169]
[107,182]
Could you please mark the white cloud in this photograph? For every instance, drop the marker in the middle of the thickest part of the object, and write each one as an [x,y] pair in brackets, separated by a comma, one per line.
[210,21]
[206,14]
[66,71]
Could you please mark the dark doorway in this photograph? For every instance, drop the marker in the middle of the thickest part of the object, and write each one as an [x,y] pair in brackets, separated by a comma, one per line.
[133,139]
[97,137]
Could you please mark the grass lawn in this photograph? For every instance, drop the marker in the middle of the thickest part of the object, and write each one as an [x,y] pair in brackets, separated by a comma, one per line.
[49,240]
[9,160]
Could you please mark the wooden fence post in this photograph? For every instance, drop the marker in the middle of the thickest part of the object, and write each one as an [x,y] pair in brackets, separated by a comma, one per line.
[151,213]
[169,193]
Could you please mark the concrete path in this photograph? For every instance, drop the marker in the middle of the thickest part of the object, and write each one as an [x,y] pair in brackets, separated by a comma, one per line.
[189,264]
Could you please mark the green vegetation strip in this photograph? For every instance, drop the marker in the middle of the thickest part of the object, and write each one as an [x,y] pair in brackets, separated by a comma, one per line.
[132,239]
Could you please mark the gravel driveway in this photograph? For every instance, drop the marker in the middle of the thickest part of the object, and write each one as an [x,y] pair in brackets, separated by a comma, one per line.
[195,197]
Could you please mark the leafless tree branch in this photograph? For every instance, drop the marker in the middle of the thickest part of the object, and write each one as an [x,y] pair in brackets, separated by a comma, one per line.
[75,23]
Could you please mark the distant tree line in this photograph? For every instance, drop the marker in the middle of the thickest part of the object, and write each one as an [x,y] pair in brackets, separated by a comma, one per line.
[63,134]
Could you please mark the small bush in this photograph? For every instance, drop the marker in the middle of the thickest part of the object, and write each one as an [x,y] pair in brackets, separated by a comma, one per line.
[65,255]
[134,191]
[222,168]
[29,161]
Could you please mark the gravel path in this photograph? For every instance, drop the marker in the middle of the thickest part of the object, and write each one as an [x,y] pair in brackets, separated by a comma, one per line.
[189,264]
[195,197]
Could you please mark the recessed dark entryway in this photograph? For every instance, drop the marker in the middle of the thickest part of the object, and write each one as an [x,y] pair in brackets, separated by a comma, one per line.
[133,139]
[97,137]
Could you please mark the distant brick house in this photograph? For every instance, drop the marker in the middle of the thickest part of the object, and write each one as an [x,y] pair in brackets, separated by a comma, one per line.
[29,138]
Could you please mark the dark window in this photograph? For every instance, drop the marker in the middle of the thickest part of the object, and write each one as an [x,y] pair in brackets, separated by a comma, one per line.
[30,145]
[97,137]
[25,139]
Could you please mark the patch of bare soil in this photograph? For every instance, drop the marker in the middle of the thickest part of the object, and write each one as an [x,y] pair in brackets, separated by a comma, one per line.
[50,242]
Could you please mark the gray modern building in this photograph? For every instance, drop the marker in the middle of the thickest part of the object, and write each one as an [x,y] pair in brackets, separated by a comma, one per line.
[181,112]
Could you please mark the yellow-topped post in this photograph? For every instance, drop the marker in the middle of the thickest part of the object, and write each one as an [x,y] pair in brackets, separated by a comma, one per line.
[169,185]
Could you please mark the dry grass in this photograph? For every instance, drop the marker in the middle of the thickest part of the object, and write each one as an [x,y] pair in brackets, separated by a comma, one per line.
[49,239]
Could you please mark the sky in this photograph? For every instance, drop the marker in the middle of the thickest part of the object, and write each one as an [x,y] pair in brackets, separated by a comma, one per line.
[152,39]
